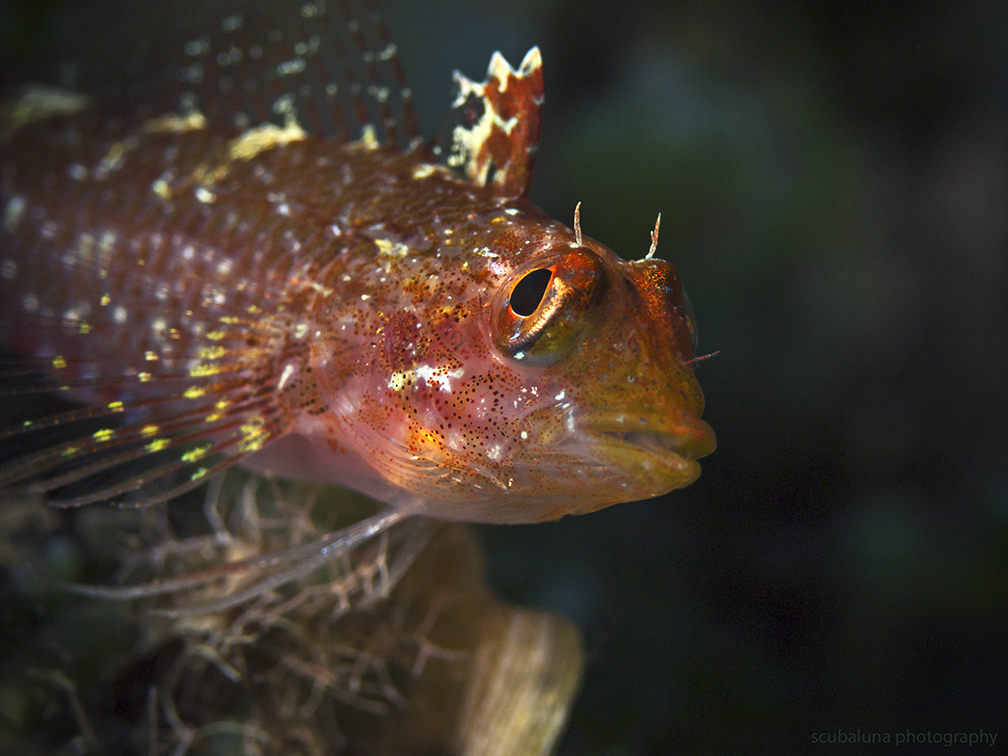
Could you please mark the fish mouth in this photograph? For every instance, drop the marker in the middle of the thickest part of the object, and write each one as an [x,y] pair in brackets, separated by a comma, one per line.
[698,443]
[660,458]
[657,442]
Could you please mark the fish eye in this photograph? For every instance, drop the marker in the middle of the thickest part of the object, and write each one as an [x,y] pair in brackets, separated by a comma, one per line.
[549,306]
[528,293]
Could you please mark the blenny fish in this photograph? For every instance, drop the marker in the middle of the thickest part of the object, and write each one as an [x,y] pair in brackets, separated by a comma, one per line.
[231,245]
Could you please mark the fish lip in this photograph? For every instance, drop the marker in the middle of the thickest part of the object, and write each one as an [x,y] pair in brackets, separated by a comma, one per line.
[689,441]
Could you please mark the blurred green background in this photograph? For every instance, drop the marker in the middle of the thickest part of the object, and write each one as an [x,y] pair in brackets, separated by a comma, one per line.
[833,183]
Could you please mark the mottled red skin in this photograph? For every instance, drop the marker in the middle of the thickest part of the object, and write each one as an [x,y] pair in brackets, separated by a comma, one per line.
[352,301]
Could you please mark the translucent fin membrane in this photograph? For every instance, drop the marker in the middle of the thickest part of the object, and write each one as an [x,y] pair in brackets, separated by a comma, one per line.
[165,432]
[265,550]
[329,65]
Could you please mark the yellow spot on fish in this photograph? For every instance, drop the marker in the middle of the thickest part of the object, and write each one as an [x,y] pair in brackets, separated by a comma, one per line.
[70,450]
[113,159]
[368,138]
[150,356]
[58,362]
[194,392]
[104,434]
[265,137]
[212,353]
[424,170]
[198,474]
[173,123]
[157,445]
[216,335]
[162,189]
[202,371]
[149,430]
[254,434]
[392,249]
[105,300]
[85,327]
[115,406]
[143,377]
[194,455]
[37,104]
[397,380]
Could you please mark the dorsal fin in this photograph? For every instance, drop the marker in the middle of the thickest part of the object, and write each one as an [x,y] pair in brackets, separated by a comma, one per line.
[492,133]
[329,66]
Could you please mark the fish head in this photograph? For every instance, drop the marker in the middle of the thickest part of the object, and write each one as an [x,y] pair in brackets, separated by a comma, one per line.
[558,380]
[611,343]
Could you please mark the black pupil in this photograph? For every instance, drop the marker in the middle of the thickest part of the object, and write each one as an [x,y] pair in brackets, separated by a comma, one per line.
[528,293]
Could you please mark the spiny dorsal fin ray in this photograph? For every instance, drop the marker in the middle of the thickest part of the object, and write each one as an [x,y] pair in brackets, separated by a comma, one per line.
[493,128]
[329,66]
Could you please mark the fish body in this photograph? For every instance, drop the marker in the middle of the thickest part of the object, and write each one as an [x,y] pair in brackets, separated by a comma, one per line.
[397,319]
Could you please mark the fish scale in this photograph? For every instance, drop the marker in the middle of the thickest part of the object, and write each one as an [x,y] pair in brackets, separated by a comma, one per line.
[203,289]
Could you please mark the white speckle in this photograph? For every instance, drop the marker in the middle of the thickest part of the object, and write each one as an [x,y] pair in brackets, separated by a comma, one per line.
[219,297]
[495,453]
[193,73]
[365,297]
[300,330]
[559,397]
[519,356]
[570,423]
[73,314]
[197,47]
[49,229]
[161,188]
[620,419]
[231,23]
[205,195]
[158,325]
[288,371]
[189,252]
[30,302]
[524,435]
[12,214]
[283,208]
[108,240]
[77,171]
[511,210]
[297,65]
[8,269]
[224,267]
[119,315]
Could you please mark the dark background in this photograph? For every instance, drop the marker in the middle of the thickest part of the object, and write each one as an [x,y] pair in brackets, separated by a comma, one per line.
[833,183]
